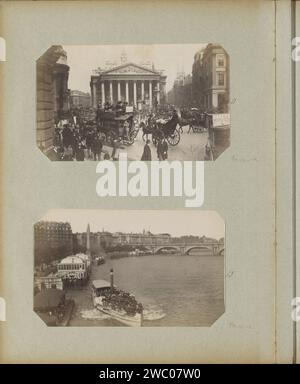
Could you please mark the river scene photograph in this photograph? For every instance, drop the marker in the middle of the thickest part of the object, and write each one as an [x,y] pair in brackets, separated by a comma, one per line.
[150,268]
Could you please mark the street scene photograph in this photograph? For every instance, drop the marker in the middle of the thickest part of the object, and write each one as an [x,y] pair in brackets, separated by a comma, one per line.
[152,102]
[135,268]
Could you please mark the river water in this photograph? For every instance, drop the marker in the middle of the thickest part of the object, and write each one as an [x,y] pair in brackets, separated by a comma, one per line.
[175,290]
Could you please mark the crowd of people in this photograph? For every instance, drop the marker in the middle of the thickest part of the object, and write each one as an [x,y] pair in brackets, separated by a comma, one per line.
[80,139]
[75,142]
[122,301]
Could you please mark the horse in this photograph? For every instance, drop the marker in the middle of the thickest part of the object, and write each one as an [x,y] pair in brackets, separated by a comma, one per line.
[147,127]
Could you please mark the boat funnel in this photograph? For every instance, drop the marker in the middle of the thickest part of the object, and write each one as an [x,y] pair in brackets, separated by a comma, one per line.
[111,279]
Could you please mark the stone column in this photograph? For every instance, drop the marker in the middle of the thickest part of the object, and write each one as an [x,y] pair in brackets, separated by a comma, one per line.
[102,93]
[150,93]
[163,91]
[134,93]
[127,92]
[111,92]
[143,91]
[94,95]
[158,93]
[119,91]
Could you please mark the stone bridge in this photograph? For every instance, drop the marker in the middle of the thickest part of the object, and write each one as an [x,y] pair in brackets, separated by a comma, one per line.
[184,249]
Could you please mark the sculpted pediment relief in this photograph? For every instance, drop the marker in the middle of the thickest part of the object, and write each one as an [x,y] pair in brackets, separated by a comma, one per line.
[129,69]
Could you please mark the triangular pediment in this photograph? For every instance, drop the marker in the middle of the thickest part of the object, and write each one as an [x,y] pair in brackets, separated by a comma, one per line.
[130,69]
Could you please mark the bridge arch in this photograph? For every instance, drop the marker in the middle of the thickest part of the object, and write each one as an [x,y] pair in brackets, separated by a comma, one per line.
[147,247]
[201,247]
[221,252]
[157,249]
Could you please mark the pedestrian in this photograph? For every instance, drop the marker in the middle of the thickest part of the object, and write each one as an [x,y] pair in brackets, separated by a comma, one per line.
[164,149]
[125,130]
[114,151]
[146,156]
[67,136]
[175,115]
[119,108]
[74,142]
[89,142]
[97,147]
[159,150]
[57,142]
[80,151]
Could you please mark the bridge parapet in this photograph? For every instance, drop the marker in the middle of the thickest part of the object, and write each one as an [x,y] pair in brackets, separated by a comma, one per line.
[185,248]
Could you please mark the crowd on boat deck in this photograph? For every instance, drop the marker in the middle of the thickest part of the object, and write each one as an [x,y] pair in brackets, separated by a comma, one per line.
[121,300]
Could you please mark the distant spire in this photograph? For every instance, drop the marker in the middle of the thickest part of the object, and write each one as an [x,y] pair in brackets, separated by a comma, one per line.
[88,239]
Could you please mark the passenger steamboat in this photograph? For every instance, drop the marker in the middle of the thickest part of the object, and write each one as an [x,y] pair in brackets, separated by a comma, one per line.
[118,304]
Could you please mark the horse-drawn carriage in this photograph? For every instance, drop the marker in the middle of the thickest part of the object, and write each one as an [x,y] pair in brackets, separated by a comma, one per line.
[194,119]
[162,129]
[115,126]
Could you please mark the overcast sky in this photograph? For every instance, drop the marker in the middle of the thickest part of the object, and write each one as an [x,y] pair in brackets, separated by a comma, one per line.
[172,58]
[177,223]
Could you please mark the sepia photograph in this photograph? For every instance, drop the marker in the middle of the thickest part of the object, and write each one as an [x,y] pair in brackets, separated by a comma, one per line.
[129,268]
[152,102]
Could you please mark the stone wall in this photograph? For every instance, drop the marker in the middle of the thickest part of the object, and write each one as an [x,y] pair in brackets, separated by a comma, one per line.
[45,106]
[51,79]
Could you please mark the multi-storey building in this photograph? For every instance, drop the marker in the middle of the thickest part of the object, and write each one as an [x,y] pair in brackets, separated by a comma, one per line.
[135,84]
[53,234]
[52,240]
[190,239]
[144,238]
[210,79]
[80,99]
[104,239]
[98,241]
[181,93]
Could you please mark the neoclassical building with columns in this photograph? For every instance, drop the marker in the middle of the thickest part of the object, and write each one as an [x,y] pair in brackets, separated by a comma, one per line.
[137,85]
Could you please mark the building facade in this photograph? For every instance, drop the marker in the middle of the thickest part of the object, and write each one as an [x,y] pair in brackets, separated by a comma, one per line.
[143,238]
[73,268]
[181,92]
[210,79]
[52,95]
[47,282]
[80,99]
[98,241]
[192,239]
[52,240]
[128,82]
